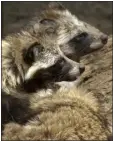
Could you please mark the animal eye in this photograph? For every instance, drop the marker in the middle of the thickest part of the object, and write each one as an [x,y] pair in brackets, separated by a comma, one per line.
[81,36]
[32,53]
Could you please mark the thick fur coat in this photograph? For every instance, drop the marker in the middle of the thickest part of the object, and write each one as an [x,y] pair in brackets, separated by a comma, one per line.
[40,71]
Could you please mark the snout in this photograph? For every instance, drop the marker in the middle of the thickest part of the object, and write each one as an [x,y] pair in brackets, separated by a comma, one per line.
[86,43]
[104,38]
[86,39]
[67,66]
[70,70]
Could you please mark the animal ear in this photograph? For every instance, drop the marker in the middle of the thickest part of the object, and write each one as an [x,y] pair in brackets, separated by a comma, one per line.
[56,6]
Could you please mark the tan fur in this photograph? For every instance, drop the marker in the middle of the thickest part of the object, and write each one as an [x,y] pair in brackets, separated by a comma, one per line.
[12,61]
[72,115]
[56,110]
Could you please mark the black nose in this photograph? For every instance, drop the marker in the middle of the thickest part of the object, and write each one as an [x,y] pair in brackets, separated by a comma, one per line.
[104,38]
[82,69]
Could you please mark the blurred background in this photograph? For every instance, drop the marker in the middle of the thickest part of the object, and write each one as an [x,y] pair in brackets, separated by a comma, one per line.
[17,14]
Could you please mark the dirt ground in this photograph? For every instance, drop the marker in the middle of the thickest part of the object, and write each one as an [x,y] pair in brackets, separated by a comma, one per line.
[98,75]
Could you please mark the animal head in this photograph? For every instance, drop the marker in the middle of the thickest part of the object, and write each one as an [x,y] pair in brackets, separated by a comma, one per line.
[49,65]
[32,64]
[57,25]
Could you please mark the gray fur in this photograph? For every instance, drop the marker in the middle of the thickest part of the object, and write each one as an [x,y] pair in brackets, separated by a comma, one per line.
[52,39]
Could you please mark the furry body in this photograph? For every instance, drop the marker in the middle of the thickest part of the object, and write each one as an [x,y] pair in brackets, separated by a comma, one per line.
[66,115]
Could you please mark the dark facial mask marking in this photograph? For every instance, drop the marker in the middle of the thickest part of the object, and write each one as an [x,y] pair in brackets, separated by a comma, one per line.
[31,53]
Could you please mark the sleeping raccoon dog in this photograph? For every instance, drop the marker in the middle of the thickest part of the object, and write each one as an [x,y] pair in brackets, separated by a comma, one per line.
[40,69]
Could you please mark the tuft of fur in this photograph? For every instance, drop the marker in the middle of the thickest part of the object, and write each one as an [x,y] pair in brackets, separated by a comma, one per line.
[65,115]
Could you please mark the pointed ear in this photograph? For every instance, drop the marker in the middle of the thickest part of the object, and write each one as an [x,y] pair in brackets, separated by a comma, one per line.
[56,6]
